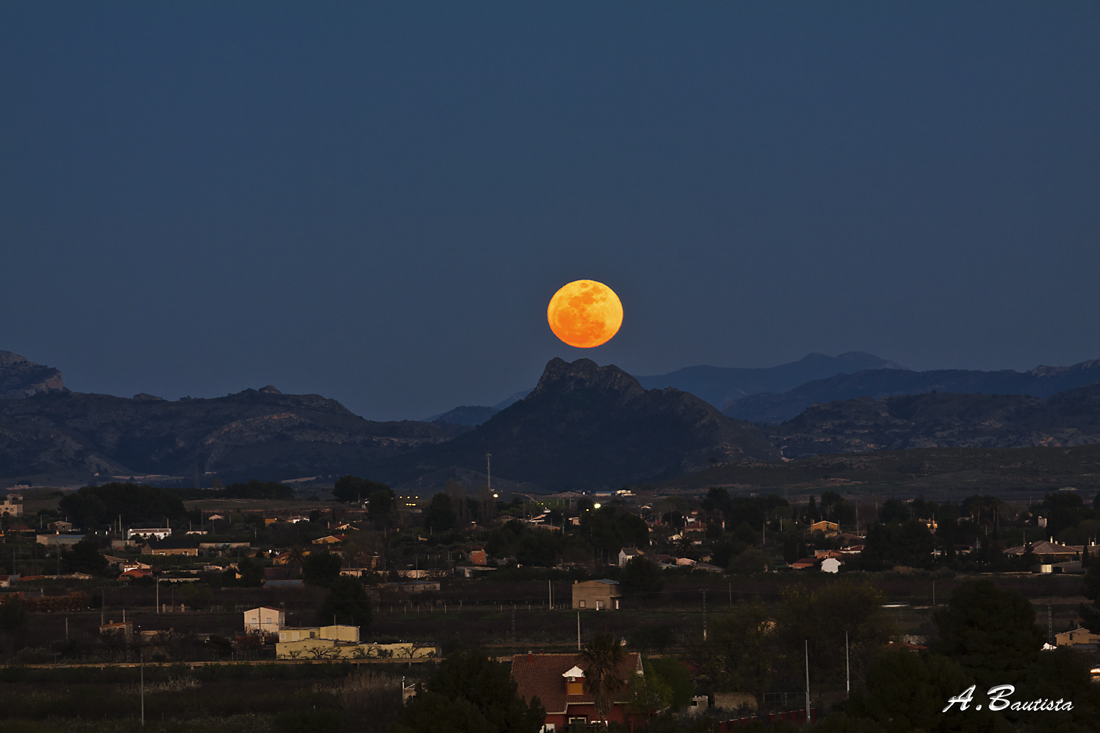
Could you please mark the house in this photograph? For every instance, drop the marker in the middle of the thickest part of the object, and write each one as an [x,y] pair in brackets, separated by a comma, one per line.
[160,533]
[1052,553]
[284,583]
[829,528]
[136,574]
[1077,638]
[60,526]
[478,556]
[342,642]
[558,681]
[180,546]
[627,554]
[59,540]
[804,563]
[264,620]
[12,505]
[600,595]
[124,628]
[830,565]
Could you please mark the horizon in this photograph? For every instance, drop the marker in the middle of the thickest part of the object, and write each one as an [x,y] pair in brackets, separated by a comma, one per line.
[526,389]
[377,202]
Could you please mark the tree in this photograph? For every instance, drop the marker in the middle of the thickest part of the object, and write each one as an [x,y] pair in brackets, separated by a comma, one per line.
[252,572]
[672,673]
[840,616]
[749,562]
[321,568]
[84,557]
[737,653]
[907,692]
[642,577]
[93,506]
[347,602]
[991,632]
[488,685]
[354,489]
[648,695]
[601,660]
[382,503]
[439,713]
[440,516]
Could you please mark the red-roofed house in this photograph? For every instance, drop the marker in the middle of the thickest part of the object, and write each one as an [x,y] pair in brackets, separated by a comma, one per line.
[557,680]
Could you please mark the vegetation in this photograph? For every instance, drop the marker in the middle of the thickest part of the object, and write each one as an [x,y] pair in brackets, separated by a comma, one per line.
[135,506]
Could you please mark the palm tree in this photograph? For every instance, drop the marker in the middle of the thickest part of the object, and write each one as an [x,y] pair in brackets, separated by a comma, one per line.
[601,660]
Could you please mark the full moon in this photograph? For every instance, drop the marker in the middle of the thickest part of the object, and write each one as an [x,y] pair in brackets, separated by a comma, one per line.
[585,314]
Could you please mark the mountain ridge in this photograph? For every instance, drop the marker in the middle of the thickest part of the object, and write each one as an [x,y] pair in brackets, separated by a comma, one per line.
[1042,381]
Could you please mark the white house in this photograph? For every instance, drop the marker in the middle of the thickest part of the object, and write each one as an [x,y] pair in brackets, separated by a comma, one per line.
[627,554]
[830,565]
[264,620]
[159,533]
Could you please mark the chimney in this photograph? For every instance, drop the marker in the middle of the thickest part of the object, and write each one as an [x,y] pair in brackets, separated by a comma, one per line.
[530,656]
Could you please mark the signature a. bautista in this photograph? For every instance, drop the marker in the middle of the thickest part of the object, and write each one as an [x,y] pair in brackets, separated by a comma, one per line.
[998,700]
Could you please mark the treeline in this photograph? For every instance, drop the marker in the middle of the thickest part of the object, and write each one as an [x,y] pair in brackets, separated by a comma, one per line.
[134,505]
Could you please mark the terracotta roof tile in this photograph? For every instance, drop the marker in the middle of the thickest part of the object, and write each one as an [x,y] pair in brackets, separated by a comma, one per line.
[540,675]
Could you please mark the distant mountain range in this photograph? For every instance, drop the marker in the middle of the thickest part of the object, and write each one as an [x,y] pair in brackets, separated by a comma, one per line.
[71,437]
[583,427]
[1042,381]
[721,386]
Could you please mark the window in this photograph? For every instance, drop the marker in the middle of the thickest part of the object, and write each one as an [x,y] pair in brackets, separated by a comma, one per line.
[549,728]
[312,634]
[599,605]
[267,619]
[580,603]
[582,720]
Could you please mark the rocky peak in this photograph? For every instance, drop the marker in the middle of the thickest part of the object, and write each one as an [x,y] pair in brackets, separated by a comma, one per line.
[561,377]
[20,377]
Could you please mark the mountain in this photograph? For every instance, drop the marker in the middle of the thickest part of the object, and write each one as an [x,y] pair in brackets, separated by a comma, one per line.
[717,385]
[20,378]
[584,427]
[252,434]
[722,385]
[1043,381]
[864,424]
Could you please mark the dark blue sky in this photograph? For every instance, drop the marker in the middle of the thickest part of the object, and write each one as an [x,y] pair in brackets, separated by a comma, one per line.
[375,202]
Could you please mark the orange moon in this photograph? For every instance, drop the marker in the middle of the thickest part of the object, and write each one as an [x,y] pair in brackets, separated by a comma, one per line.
[585,314]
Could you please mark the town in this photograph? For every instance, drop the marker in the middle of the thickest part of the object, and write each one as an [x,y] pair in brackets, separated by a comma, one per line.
[710,610]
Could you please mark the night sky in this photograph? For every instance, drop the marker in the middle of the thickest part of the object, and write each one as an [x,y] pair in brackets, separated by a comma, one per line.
[375,202]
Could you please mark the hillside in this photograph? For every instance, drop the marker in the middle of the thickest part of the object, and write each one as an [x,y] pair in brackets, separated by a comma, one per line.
[861,425]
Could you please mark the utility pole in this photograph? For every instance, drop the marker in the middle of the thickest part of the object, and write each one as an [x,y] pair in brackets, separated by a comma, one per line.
[578,631]
[704,614]
[847,669]
[807,680]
